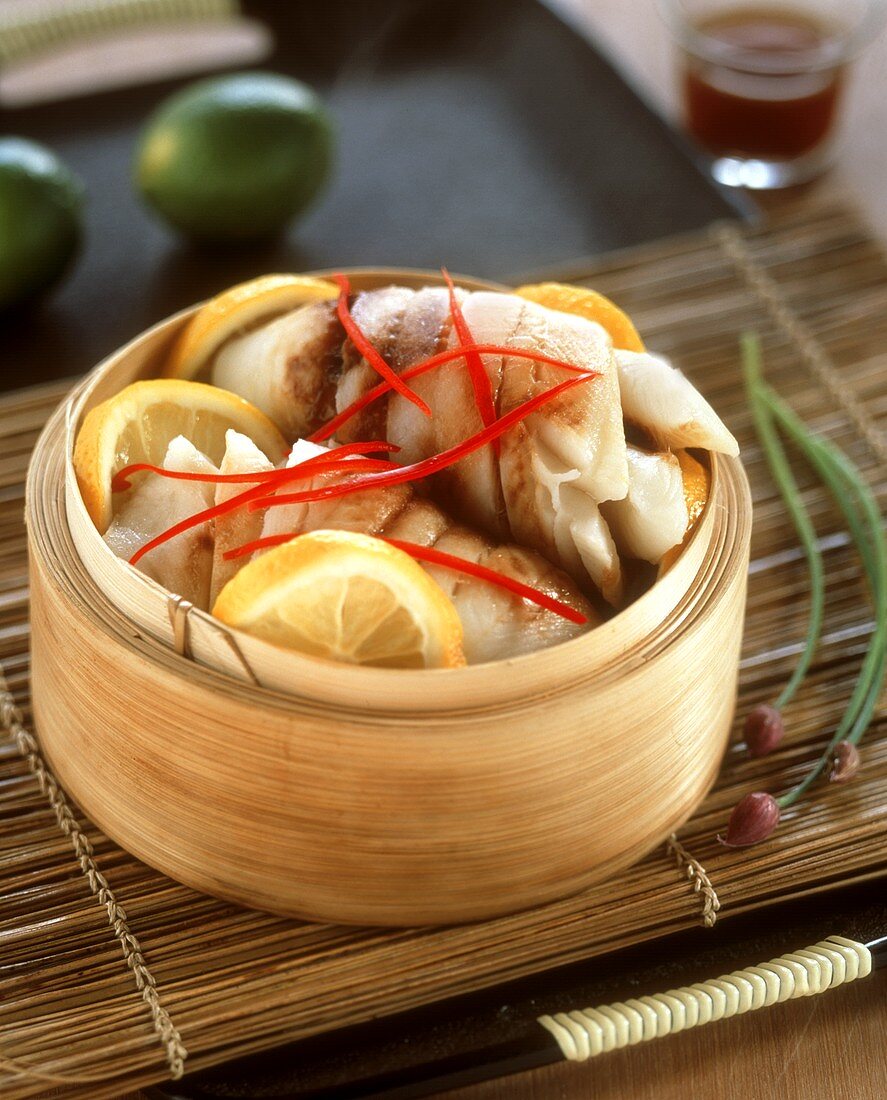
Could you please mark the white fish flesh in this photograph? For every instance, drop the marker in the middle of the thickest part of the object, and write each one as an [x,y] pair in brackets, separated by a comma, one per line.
[183,564]
[665,403]
[653,516]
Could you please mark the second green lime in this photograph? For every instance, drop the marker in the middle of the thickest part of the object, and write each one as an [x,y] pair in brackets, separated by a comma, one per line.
[40,219]
[235,157]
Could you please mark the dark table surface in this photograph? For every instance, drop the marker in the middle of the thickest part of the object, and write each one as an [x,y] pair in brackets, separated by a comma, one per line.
[480,134]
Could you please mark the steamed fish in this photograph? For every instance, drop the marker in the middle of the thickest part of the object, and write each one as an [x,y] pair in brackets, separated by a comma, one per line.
[234,528]
[184,564]
[664,402]
[652,517]
[496,623]
[301,370]
[556,483]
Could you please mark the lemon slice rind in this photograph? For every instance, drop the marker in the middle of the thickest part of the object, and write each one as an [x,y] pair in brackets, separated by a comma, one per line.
[137,425]
[583,302]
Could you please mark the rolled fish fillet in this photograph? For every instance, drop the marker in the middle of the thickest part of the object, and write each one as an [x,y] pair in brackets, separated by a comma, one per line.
[652,517]
[241,525]
[663,401]
[496,623]
[553,469]
[192,564]
[184,564]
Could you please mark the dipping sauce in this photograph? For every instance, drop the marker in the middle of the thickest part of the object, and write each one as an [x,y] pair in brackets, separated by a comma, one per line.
[761,89]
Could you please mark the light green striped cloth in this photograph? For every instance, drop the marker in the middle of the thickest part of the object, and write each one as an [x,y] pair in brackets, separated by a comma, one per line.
[27,29]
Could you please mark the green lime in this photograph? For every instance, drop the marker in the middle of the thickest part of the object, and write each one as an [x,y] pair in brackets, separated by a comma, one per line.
[40,219]
[235,157]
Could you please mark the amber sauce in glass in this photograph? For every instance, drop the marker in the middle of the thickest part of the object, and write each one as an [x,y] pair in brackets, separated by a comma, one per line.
[752,101]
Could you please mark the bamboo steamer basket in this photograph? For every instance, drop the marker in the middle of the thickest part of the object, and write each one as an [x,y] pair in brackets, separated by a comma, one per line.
[371,796]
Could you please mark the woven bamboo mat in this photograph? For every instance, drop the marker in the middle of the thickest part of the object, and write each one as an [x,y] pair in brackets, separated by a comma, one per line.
[111,974]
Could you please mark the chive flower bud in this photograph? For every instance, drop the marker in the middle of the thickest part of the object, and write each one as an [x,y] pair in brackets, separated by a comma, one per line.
[753,819]
[764,730]
[845,762]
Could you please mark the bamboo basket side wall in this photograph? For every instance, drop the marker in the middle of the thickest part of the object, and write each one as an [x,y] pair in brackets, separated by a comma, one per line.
[402,820]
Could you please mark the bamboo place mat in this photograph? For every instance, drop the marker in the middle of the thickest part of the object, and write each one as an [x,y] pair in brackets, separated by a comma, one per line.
[112,976]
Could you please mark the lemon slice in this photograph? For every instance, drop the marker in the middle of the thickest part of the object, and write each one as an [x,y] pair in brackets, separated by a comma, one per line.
[347,597]
[589,304]
[137,425]
[236,309]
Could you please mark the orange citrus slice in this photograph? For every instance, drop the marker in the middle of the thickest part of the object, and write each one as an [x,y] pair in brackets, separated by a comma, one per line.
[236,309]
[137,425]
[697,483]
[347,597]
[586,303]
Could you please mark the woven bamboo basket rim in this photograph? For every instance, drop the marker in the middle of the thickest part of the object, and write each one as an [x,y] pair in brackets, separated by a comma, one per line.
[609,650]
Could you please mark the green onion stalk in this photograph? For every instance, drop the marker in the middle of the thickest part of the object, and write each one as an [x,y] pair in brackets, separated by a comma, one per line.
[764,726]
[755,817]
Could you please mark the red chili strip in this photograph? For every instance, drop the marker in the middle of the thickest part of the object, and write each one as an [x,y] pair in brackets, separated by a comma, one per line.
[307,469]
[441,359]
[501,580]
[435,463]
[120,481]
[260,544]
[355,465]
[447,561]
[367,350]
[480,380]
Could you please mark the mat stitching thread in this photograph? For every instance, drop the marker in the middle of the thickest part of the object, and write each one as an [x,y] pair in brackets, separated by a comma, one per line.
[12,720]
[697,874]
[814,355]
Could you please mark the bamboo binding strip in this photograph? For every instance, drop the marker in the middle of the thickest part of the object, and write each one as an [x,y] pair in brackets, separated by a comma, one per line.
[588,1032]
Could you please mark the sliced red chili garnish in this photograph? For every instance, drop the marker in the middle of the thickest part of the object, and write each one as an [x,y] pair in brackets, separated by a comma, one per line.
[330,461]
[493,576]
[256,498]
[451,355]
[435,463]
[447,561]
[120,481]
[367,350]
[480,380]
[355,464]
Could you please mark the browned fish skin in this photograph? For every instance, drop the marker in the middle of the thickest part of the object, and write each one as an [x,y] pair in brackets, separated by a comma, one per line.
[313,372]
